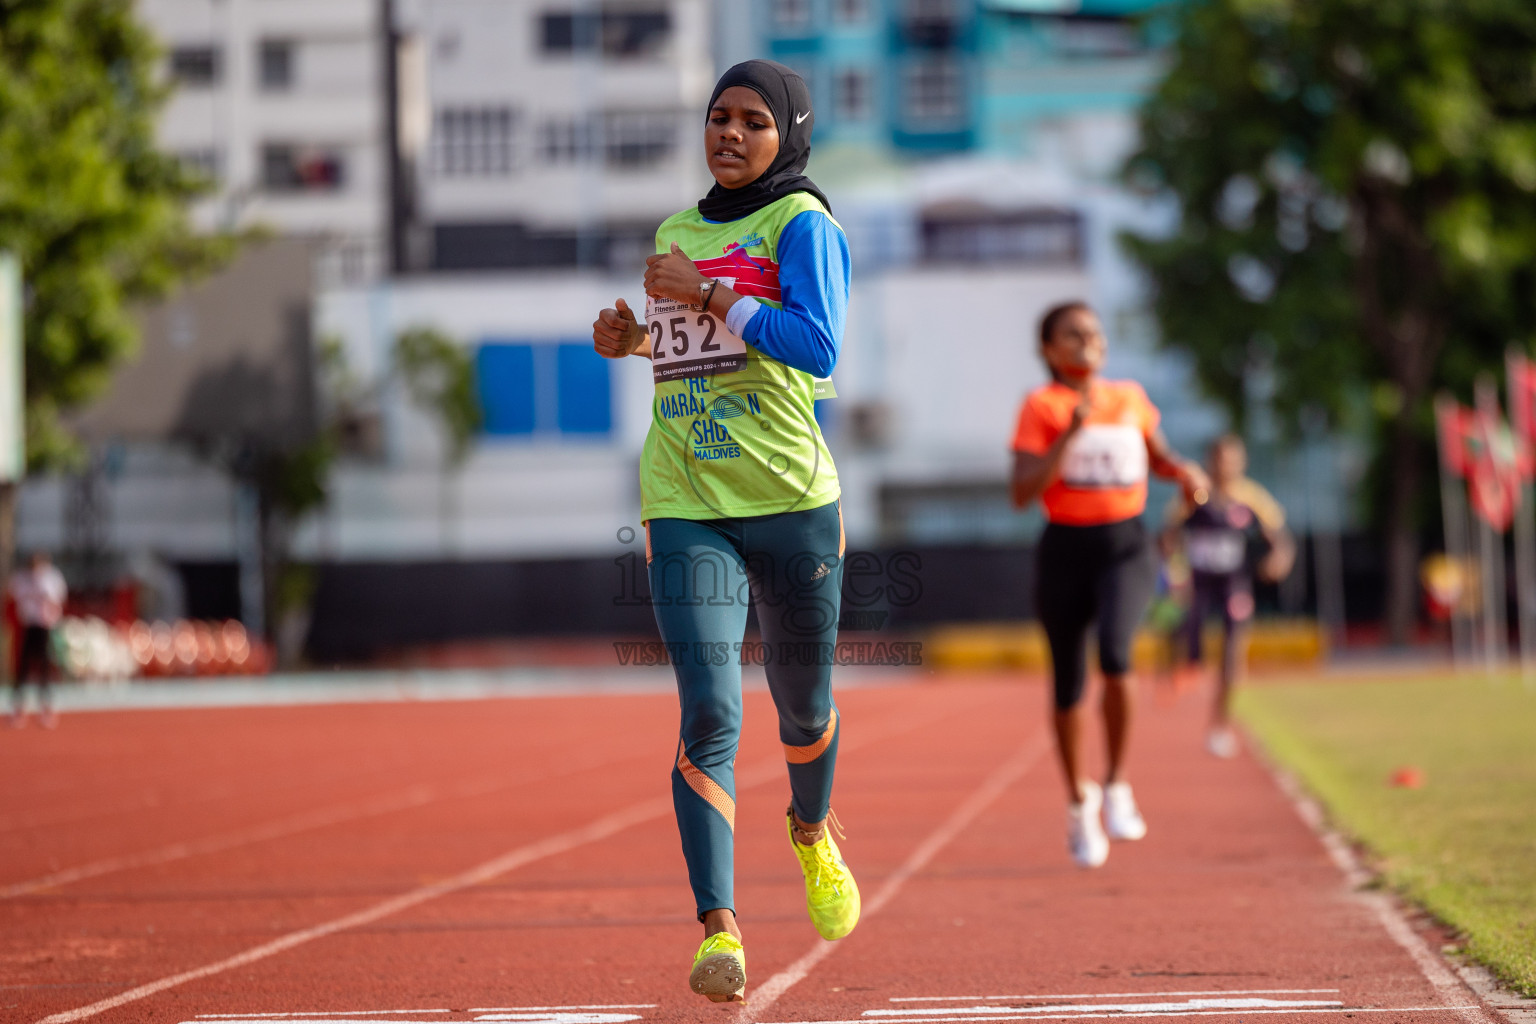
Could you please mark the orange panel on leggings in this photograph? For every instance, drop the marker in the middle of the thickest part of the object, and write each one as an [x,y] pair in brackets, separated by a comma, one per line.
[810,752]
[707,788]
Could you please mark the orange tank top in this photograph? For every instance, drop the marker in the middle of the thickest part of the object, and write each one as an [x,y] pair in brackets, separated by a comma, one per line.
[1103,472]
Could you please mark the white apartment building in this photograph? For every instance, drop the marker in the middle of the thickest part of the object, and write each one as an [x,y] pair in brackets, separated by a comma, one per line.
[541,142]
[555,132]
[282,104]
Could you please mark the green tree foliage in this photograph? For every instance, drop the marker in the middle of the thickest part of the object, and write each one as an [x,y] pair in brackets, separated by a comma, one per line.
[439,375]
[1355,183]
[94,211]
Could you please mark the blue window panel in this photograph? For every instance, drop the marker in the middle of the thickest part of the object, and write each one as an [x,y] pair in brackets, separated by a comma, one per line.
[585,391]
[504,376]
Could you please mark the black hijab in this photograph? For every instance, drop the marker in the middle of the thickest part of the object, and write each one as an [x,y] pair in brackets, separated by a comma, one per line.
[789,101]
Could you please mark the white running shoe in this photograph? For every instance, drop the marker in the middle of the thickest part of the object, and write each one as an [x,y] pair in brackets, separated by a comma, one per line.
[1122,820]
[1085,834]
[1222,742]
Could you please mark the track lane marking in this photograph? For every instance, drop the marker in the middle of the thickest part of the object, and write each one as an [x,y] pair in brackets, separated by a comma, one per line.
[992,787]
[375,1013]
[1184,1013]
[408,799]
[1447,986]
[309,1013]
[609,825]
[1126,995]
[991,1012]
[414,796]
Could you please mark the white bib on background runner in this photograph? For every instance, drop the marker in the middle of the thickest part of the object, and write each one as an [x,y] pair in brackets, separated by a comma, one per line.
[1215,551]
[1105,455]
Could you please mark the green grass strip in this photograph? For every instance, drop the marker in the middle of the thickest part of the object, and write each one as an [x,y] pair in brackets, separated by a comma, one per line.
[1463,846]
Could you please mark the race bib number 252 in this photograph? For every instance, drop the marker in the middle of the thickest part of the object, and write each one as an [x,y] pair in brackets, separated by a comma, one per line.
[686,342]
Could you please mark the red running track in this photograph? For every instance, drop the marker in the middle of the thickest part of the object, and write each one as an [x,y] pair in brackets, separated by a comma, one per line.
[516,860]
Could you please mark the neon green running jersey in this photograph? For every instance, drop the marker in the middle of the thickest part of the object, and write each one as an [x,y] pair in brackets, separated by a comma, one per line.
[733,431]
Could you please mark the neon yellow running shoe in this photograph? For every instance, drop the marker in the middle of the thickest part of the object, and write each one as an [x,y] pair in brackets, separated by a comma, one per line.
[720,969]
[831,894]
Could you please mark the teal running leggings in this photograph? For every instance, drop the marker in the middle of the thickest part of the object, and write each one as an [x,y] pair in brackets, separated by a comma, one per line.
[703,575]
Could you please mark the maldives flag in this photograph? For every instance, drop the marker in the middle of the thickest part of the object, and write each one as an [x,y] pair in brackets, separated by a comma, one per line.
[1493,465]
[1456,429]
[1522,407]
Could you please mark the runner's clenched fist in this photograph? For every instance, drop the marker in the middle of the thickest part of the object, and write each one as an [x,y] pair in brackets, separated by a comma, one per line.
[615,332]
[671,275]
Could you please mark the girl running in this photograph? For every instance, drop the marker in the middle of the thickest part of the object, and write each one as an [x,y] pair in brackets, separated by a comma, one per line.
[1084,445]
[1215,539]
[745,302]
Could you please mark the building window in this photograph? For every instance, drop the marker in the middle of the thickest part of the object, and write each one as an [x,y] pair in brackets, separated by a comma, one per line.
[849,11]
[275,64]
[205,162]
[627,139]
[933,90]
[1095,37]
[632,140]
[565,141]
[932,10]
[559,390]
[934,24]
[852,96]
[792,16]
[196,66]
[473,141]
[583,391]
[971,234]
[614,32]
[621,247]
[287,167]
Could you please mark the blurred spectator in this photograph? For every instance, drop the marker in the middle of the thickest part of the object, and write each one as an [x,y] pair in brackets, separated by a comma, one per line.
[39,591]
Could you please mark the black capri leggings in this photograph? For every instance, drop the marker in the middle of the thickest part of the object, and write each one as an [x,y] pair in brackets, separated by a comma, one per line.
[1088,574]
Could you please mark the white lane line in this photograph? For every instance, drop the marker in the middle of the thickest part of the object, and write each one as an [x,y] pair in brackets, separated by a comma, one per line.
[375,1013]
[1448,987]
[415,796]
[992,1012]
[310,1013]
[635,814]
[562,1018]
[602,828]
[765,995]
[1123,995]
[1184,1013]
[324,817]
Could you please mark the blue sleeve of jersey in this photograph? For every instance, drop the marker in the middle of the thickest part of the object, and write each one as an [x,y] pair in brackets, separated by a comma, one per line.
[814,273]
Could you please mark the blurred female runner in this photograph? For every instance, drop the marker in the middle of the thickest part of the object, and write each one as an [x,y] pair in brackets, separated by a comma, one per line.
[745,303]
[1084,446]
[1215,539]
